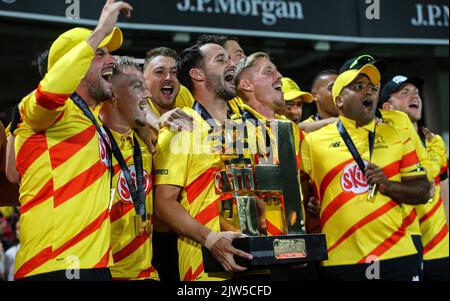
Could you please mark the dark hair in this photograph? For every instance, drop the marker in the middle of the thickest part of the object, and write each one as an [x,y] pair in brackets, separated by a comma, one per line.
[123,63]
[192,58]
[42,62]
[323,73]
[160,51]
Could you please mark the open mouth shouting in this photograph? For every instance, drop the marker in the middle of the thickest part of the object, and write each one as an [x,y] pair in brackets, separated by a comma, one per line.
[415,105]
[277,86]
[369,104]
[167,90]
[107,73]
[229,77]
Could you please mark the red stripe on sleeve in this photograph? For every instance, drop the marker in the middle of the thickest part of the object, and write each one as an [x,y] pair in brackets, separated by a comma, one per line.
[409,160]
[194,189]
[50,101]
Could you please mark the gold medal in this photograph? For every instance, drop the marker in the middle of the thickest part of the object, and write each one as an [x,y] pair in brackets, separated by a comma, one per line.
[372,192]
[142,227]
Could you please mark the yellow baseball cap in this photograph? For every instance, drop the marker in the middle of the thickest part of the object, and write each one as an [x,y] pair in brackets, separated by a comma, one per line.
[347,77]
[71,38]
[292,91]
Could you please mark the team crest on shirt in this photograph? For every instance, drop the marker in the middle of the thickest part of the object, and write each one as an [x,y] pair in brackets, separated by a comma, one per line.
[103,151]
[353,180]
[122,186]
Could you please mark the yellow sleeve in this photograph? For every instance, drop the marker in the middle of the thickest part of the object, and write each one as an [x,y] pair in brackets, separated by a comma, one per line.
[437,145]
[305,152]
[171,160]
[409,163]
[184,98]
[41,109]
[422,154]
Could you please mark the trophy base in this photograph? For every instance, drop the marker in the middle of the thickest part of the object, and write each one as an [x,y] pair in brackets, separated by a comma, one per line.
[273,250]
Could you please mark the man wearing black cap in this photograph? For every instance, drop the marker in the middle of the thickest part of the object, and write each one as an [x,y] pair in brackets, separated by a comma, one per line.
[403,93]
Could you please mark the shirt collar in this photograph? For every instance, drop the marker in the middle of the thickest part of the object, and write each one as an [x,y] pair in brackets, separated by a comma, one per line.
[351,124]
[152,106]
[259,116]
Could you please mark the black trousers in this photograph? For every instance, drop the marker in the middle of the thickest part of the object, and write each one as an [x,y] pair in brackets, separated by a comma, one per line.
[287,273]
[417,240]
[397,269]
[84,275]
[165,256]
[436,269]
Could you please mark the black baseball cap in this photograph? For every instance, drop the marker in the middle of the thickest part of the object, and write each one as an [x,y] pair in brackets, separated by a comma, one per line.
[396,83]
[359,61]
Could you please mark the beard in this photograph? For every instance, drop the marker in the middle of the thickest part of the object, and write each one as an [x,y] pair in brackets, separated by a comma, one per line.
[214,83]
[97,89]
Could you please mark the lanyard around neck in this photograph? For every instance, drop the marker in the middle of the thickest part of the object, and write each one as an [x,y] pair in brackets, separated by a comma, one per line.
[352,148]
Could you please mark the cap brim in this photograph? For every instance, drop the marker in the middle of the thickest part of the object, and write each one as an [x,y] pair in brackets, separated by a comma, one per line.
[346,78]
[113,41]
[372,72]
[306,97]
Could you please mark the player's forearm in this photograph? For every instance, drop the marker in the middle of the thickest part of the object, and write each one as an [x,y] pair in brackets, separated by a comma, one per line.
[309,127]
[413,192]
[170,211]
[11,171]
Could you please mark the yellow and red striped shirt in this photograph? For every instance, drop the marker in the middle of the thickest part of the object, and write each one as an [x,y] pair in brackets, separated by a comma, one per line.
[401,121]
[355,227]
[184,159]
[132,254]
[65,181]
[433,224]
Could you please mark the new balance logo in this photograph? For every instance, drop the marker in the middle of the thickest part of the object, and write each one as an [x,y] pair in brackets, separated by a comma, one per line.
[160,172]
[335,144]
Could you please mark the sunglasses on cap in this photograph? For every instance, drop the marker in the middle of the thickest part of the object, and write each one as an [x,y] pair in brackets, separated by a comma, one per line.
[361,60]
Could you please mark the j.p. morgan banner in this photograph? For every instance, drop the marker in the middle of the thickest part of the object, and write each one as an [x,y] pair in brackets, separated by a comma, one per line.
[363,21]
